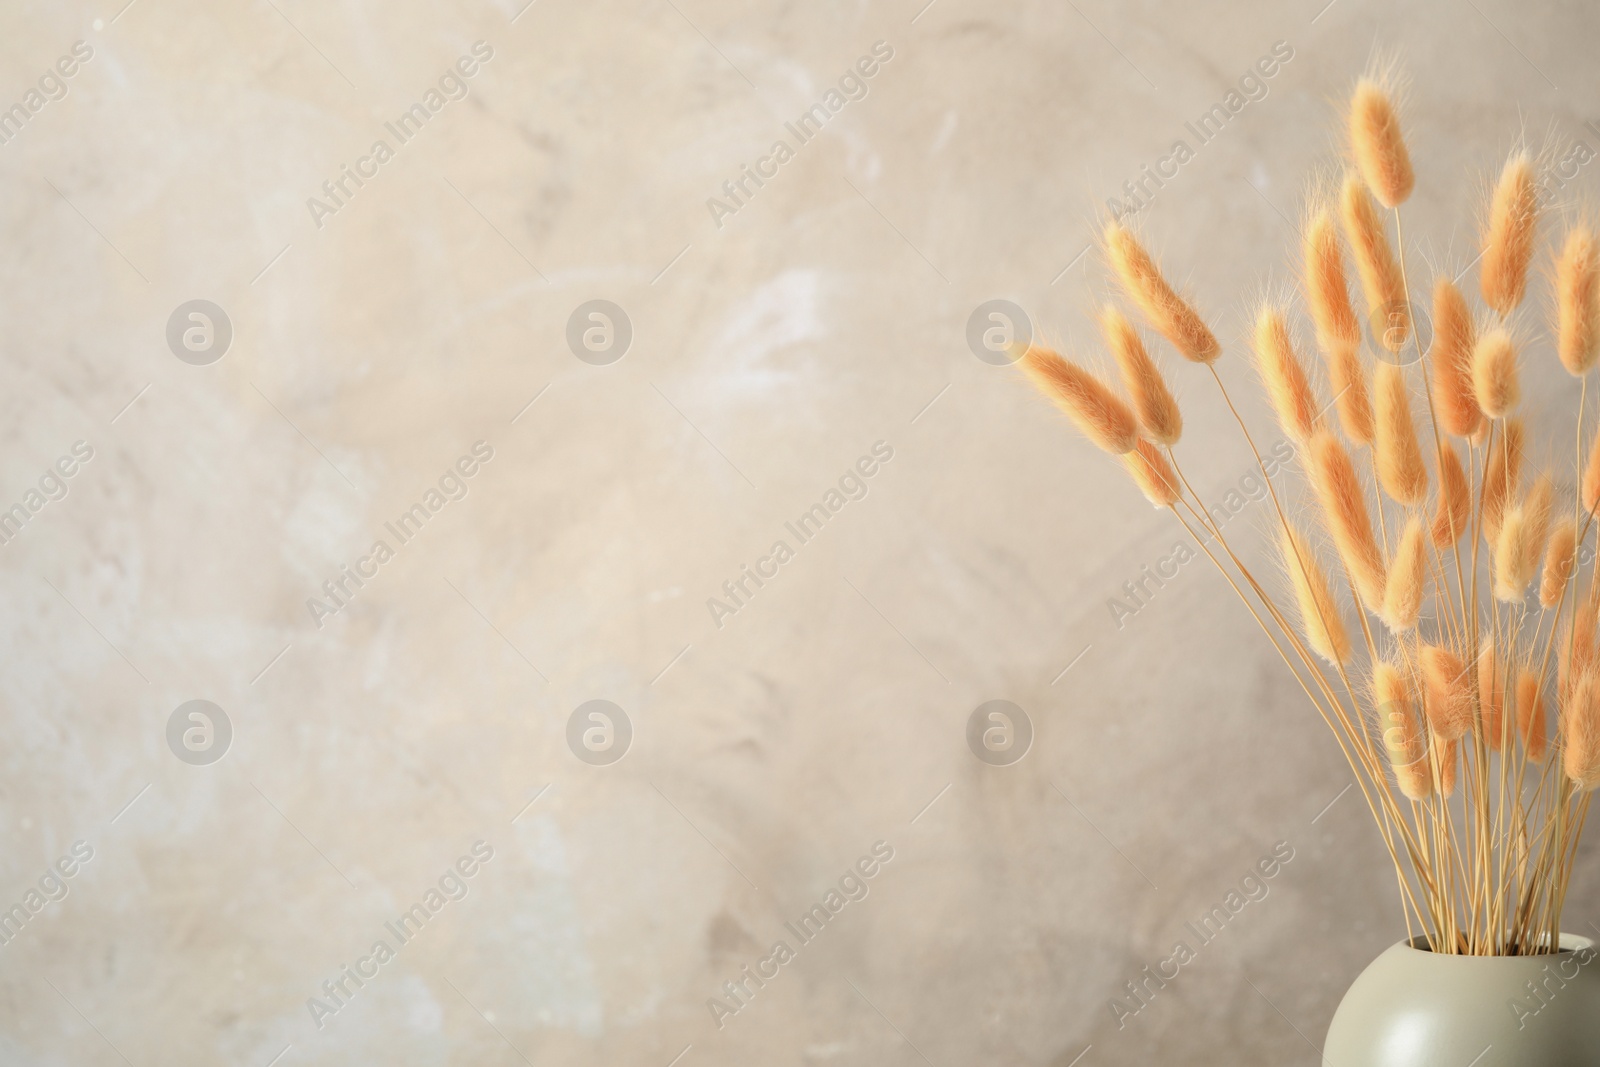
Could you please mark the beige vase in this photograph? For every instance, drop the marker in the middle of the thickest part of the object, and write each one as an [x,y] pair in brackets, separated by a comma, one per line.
[1415,1008]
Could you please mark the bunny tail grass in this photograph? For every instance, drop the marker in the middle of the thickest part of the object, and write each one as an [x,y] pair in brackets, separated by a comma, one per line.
[1091,405]
[1400,467]
[1319,612]
[1446,692]
[1445,678]
[1494,374]
[1455,403]
[1508,236]
[1447,755]
[1327,291]
[1344,510]
[1388,313]
[1578,302]
[1521,541]
[1453,512]
[1559,559]
[1530,715]
[1408,579]
[1153,403]
[1590,486]
[1167,312]
[1153,474]
[1284,375]
[1379,149]
[1349,381]
[1501,479]
[1402,731]
[1580,732]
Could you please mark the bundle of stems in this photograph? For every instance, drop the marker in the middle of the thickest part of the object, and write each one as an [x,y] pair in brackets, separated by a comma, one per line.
[1453,611]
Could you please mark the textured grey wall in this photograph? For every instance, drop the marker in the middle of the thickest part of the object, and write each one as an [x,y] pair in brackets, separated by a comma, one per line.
[775,340]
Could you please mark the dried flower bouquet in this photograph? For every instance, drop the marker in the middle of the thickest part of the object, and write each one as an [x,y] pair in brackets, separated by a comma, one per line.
[1453,616]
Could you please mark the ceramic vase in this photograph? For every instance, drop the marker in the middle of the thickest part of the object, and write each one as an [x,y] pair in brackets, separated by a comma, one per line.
[1416,1008]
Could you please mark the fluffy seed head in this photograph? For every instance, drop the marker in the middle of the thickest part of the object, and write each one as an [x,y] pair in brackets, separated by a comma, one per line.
[1539,506]
[1521,540]
[1344,509]
[1408,579]
[1530,714]
[1578,644]
[1447,755]
[1088,401]
[1492,697]
[1591,475]
[1494,374]
[1158,412]
[1455,404]
[1379,149]
[1349,381]
[1153,474]
[1319,612]
[1446,692]
[1512,531]
[1284,375]
[1381,281]
[1167,312]
[1508,236]
[1402,731]
[1327,292]
[1580,732]
[1501,478]
[1453,513]
[1400,466]
[1559,559]
[1578,301]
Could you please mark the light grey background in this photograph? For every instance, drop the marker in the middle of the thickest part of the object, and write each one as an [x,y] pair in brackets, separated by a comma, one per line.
[768,354]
